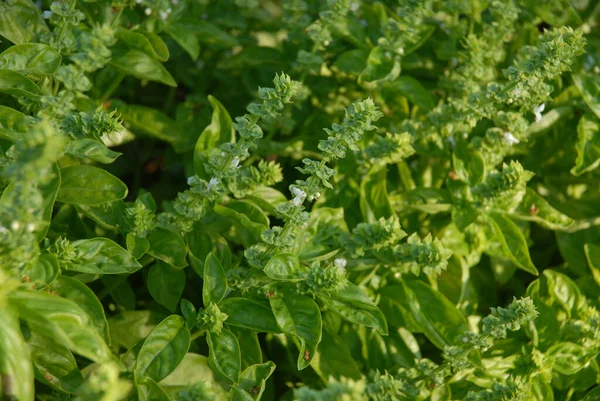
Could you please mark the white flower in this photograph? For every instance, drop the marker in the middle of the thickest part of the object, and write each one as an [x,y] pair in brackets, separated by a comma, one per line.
[400,50]
[299,196]
[537,110]
[163,15]
[213,182]
[340,263]
[30,227]
[139,1]
[47,14]
[510,139]
[175,2]
[190,180]
[15,225]
[235,162]
[3,229]
[326,43]
[148,11]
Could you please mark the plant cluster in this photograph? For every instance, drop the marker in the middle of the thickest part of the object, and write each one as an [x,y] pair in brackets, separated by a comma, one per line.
[404,206]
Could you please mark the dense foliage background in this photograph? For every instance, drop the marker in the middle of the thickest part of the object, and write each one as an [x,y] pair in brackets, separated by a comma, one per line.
[299,200]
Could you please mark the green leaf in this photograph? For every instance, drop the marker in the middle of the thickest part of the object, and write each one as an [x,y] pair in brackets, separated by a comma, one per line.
[130,327]
[102,256]
[355,306]
[238,394]
[380,69]
[13,124]
[218,131]
[468,164]
[592,254]
[149,390]
[215,281]
[88,185]
[333,359]
[319,239]
[137,247]
[49,191]
[285,266]
[85,298]
[140,65]
[513,242]
[249,220]
[225,354]
[535,208]
[206,32]
[249,346]
[299,316]
[589,88]
[374,200]
[412,89]
[166,284]
[588,145]
[43,271]
[352,61]
[16,371]
[55,361]
[16,84]
[565,292]
[435,316]
[254,377]
[148,121]
[21,21]
[593,395]
[249,314]
[162,350]
[189,43]
[31,59]
[147,42]
[568,357]
[93,150]
[167,246]
[63,321]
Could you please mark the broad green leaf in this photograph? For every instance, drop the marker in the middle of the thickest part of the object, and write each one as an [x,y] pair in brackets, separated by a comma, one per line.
[85,298]
[16,84]
[253,378]
[588,145]
[93,150]
[31,59]
[249,314]
[225,354]
[333,359]
[166,284]
[57,363]
[432,313]
[43,272]
[267,198]
[249,220]
[130,327]
[13,123]
[49,191]
[374,200]
[589,88]
[219,130]
[285,266]
[513,242]
[352,61]
[545,329]
[249,346]
[149,390]
[151,122]
[63,321]
[215,281]
[299,316]
[147,42]
[192,369]
[21,21]
[163,350]
[535,208]
[167,246]
[541,390]
[568,357]
[88,185]
[108,215]
[380,69]
[238,394]
[468,164]
[355,306]
[140,65]
[189,43]
[102,256]
[563,290]
[15,363]
[319,239]
[412,89]
[120,290]
[593,395]
[137,247]
[200,243]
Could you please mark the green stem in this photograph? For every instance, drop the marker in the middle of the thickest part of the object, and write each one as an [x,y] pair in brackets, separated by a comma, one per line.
[111,88]
[197,334]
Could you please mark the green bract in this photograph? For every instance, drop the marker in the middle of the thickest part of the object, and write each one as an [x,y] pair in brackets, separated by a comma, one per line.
[403,207]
